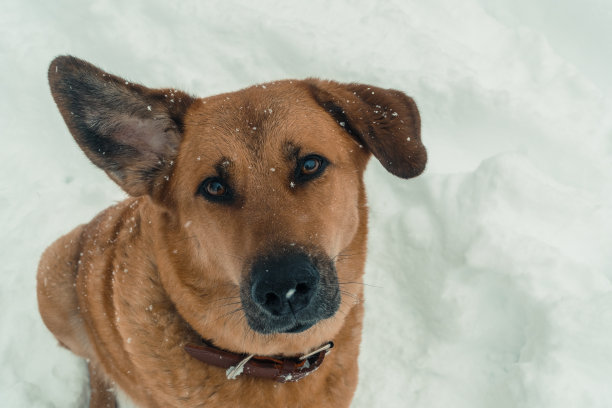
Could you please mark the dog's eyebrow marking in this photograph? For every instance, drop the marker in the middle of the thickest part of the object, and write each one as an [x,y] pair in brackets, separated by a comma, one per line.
[223,167]
[291,151]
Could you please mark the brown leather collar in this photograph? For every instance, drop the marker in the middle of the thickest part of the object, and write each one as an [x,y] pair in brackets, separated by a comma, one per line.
[286,369]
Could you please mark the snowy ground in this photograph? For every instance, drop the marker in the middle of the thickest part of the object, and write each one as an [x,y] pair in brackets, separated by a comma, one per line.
[492,271]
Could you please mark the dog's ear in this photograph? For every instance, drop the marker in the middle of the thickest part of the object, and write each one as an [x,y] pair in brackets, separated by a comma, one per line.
[385,121]
[131,132]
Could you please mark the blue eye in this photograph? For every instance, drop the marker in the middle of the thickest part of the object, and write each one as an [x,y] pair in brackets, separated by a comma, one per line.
[310,167]
[214,189]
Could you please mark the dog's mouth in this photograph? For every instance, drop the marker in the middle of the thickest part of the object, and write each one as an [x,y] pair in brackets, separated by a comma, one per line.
[300,327]
[290,291]
[294,326]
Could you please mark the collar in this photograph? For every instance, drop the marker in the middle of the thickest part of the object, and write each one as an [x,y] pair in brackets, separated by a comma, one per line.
[280,369]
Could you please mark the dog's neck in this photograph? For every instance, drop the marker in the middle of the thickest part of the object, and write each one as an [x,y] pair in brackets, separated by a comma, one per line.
[280,369]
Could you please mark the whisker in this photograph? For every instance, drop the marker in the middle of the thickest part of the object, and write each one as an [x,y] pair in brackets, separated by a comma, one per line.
[351,294]
[227,314]
[230,304]
[225,298]
[347,255]
[359,283]
[340,310]
[213,301]
[238,321]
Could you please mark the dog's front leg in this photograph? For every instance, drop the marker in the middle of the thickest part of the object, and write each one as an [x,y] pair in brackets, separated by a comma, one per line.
[102,395]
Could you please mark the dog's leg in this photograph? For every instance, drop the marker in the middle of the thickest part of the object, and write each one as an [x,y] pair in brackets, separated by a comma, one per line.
[102,395]
[57,297]
[59,308]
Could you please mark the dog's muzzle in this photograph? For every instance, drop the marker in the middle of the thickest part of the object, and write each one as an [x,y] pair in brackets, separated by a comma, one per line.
[290,291]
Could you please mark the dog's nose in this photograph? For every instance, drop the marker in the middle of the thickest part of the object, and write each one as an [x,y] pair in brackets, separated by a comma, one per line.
[284,285]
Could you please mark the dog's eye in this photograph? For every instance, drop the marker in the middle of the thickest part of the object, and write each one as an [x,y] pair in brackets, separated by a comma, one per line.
[310,167]
[214,189]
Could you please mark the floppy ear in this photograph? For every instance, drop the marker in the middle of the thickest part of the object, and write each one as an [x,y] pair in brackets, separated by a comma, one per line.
[131,132]
[385,121]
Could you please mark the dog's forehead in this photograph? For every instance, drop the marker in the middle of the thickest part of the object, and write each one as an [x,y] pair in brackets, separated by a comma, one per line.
[280,116]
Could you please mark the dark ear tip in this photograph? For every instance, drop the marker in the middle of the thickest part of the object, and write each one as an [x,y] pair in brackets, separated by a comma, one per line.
[64,65]
[62,59]
[412,168]
[57,69]
[60,63]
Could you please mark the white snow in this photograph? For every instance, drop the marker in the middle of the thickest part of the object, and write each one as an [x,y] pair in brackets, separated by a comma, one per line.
[290,293]
[234,372]
[489,277]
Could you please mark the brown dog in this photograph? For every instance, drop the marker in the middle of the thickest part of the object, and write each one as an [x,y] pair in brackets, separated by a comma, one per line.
[245,234]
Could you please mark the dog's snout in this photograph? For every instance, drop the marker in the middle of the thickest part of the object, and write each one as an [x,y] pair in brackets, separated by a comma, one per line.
[290,290]
[285,285]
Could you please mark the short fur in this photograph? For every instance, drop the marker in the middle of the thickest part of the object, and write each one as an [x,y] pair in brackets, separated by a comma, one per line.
[165,267]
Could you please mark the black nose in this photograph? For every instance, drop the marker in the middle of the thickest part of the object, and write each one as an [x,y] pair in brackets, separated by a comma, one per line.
[284,285]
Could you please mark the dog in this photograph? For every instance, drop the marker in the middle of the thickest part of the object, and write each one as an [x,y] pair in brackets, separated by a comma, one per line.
[238,259]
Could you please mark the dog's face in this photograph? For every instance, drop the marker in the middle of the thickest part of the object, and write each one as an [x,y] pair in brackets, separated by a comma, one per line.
[259,196]
[268,185]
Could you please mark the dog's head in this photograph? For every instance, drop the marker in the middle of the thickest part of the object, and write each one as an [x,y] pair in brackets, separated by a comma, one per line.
[259,202]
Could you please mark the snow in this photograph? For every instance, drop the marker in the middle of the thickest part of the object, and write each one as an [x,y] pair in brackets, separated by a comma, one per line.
[489,277]
[290,293]
[234,372]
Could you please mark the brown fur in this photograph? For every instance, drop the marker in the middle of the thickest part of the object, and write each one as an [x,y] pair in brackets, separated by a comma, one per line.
[163,268]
